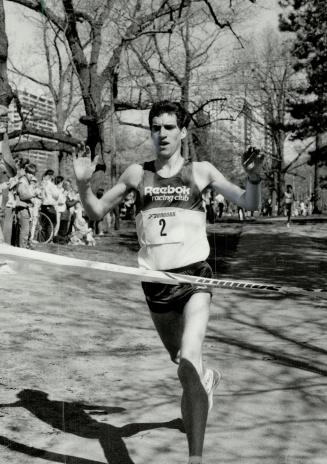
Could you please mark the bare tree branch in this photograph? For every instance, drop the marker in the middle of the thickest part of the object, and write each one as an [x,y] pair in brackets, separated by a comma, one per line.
[42,145]
[222,25]
[17,71]
[58,136]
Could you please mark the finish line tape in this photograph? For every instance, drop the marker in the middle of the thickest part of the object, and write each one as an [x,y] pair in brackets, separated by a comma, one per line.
[163,277]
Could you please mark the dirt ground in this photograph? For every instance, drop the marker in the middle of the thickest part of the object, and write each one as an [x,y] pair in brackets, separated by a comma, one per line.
[85,380]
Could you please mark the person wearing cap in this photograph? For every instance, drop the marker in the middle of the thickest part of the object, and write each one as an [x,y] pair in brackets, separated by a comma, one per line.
[25,194]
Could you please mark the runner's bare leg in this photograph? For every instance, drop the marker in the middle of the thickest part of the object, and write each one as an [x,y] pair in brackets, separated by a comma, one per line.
[190,372]
[186,332]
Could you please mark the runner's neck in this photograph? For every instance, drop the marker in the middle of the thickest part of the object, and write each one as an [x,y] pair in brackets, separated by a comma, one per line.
[168,167]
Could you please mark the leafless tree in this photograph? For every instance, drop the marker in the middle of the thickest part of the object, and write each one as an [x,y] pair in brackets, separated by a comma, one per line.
[97,63]
[267,82]
[5,89]
[108,26]
[180,64]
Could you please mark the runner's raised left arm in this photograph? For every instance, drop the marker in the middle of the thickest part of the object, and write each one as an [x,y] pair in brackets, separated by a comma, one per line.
[250,198]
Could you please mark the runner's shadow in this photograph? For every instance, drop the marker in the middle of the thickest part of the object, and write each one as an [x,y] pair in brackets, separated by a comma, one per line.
[73,418]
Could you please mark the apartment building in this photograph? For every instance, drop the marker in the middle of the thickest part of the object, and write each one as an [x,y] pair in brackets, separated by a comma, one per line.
[39,113]
[240,124]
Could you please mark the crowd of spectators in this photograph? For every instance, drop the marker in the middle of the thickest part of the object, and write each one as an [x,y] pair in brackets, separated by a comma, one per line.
[23,197]
[217,206]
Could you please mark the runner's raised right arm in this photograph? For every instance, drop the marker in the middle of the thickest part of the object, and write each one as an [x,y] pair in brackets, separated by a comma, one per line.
[95,207]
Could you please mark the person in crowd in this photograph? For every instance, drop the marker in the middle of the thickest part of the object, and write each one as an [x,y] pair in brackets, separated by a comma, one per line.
[3,188]
[69,216]
[50,195]
[25,194]
[303,208]
[10,224]
[98,226]
[208,201]
[220,204]
[130,205]
[35,207]
[289,199]
[82,233]
[269,207]
[60,205]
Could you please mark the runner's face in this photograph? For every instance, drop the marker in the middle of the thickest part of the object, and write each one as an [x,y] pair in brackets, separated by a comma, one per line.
[166,135]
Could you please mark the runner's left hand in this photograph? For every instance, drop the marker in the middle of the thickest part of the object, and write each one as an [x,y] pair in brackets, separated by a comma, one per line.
[252,161]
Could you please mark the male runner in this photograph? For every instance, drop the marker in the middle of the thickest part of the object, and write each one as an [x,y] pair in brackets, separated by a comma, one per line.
[171,228]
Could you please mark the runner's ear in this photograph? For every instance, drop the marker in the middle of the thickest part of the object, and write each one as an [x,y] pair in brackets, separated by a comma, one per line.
[183,133]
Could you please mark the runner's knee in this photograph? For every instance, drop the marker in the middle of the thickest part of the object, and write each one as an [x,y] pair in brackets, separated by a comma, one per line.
[191,350]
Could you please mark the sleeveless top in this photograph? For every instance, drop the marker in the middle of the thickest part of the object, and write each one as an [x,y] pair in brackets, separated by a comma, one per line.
[170,220]
[289,197]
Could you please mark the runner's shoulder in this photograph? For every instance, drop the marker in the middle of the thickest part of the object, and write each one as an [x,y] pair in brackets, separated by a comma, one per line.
[132,175]
[203,170]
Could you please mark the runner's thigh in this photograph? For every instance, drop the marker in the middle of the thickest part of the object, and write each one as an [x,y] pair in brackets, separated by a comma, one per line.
[169,326]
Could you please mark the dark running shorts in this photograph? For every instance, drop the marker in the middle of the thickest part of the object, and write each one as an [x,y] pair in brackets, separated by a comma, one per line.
[162,298]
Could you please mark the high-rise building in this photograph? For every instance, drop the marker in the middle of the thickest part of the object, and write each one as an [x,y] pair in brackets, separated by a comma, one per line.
[241,124]
[39,113]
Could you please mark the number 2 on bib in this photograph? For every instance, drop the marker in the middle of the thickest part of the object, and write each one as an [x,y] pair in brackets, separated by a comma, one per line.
[162,227]
[162,223]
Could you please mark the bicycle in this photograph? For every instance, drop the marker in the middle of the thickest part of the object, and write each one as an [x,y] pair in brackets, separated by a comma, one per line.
[44,229]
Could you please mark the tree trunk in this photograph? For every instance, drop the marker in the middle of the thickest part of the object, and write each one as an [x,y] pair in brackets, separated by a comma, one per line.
[6,94]
[316,190]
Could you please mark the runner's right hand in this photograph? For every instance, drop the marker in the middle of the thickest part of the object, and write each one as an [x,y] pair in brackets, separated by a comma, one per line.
[83,166]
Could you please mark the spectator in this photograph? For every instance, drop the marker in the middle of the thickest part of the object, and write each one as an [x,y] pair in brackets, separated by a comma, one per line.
[10,231]
[25,194]
[130,205]
[303,208]
[82,232]
[50,195]
[289,199]
[69,216]
[3,187]
[35,207]
[208,201]
[220,204]
[98,226]
[60,205]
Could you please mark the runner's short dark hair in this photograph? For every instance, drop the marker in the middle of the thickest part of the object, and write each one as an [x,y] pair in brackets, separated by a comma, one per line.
[166,106]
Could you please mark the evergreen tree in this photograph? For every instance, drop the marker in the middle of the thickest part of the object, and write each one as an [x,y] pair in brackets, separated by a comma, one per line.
[307,19]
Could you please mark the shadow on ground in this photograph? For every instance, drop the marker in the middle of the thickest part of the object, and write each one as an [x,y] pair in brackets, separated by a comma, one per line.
[281,259]
[73,418]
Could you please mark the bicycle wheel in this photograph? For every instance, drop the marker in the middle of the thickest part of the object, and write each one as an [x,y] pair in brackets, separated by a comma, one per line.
[44,229]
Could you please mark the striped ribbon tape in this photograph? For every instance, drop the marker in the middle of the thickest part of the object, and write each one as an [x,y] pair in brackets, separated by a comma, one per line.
[155,276]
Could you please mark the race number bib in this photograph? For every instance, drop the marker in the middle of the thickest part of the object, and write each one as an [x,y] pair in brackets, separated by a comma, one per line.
[163,226]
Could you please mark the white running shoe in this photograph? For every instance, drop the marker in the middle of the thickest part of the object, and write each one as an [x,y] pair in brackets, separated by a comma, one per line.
[210,382]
